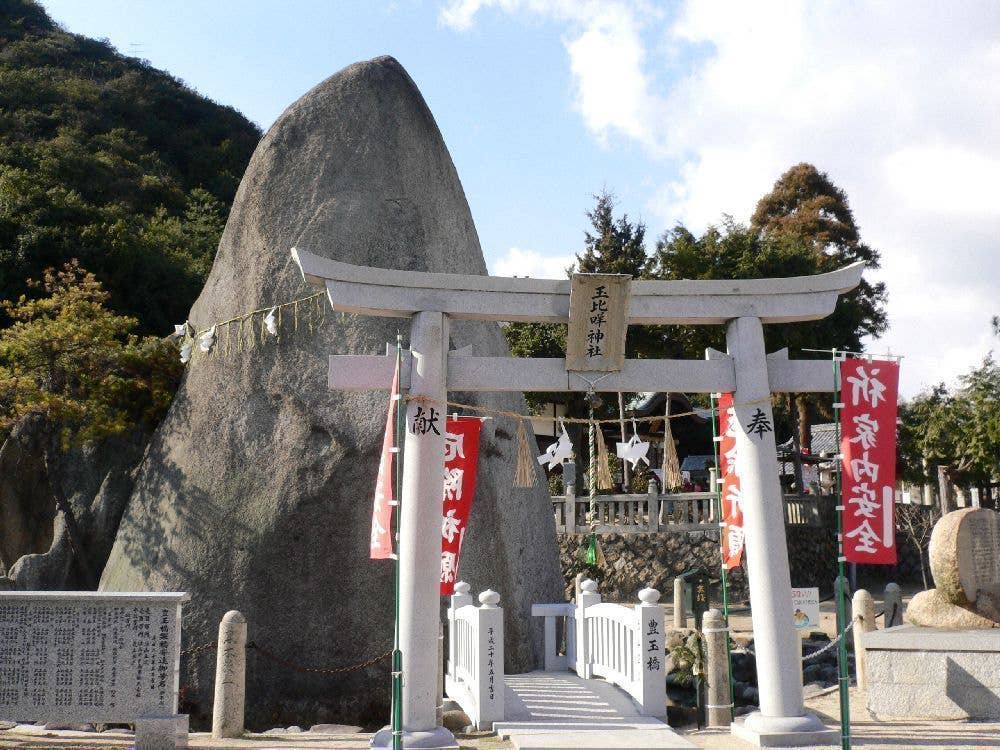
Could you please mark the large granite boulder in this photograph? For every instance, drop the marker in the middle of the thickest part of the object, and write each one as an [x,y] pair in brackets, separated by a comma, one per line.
[255,493]
[965,562]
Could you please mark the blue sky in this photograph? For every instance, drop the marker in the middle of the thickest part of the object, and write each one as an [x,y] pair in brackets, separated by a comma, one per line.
[685,110]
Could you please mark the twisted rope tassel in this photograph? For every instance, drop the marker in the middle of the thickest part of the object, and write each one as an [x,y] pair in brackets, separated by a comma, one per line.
[524,475]
[604,479]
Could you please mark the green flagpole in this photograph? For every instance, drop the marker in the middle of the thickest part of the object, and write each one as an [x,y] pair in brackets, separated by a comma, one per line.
[397,655]
[844,679]
[722,530]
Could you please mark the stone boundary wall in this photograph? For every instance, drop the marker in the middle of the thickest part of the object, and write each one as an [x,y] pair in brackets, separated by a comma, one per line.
[635,561]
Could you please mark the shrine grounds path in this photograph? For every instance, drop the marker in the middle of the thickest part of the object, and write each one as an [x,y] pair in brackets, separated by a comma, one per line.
[867,733]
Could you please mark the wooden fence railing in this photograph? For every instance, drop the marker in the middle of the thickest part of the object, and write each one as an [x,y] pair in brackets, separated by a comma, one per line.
[652,512]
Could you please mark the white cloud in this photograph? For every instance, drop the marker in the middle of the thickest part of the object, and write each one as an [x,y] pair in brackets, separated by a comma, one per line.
[897,106]
[612,92]
[518,262]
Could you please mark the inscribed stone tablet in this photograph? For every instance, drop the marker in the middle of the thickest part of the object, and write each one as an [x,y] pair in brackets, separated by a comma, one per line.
[88,657]
[598,320]
[965,554]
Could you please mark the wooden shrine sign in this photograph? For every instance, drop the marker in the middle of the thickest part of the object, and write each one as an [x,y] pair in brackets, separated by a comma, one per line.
[598,321]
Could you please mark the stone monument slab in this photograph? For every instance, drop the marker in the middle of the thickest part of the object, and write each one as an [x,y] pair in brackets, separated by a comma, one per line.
[91,657]
[965,554]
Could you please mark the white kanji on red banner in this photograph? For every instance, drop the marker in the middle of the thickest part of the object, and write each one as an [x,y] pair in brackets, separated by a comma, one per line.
[868,455]
[461,454]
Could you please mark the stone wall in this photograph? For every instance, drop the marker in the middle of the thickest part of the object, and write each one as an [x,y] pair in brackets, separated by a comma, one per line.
[635,561]
[638,560]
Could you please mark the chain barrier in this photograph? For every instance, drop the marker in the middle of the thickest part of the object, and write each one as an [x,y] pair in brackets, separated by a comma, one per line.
[270,656]
[827,647]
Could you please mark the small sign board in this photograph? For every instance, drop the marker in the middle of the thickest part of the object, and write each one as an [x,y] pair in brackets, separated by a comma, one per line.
[700,603]
[598,320]
[805,608]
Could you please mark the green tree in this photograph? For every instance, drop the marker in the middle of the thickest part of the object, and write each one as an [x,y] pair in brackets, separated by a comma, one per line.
[958,429]
[806,208]
[77,372]
[107,160]
[613,245]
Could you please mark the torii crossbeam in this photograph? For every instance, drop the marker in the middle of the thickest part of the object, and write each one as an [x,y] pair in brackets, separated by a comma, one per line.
[430,370]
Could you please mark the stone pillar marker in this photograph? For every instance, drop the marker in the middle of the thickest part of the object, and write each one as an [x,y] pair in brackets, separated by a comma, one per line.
[892,602]
[230,677]
[863,614]
[680,603]
[718,700]
[779,670]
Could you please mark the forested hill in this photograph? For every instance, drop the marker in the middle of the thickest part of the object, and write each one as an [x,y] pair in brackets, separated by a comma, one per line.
[108,160]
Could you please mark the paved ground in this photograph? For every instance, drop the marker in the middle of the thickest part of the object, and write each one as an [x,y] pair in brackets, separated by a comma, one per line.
[867,734]
[552,710]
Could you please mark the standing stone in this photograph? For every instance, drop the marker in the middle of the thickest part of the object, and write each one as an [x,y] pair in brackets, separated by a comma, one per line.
[718,703]
[680,603]
[863,613]
[892,603]
[230,677]
[255,493]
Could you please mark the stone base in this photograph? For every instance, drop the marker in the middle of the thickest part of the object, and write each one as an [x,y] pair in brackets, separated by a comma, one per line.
[794,731]
[933,673]
[438,738]
[161,732]
[930,609]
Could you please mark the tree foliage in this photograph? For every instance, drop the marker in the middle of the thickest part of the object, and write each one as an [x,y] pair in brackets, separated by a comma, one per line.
[614,245]
[956,428]
[105,159]
[70,362]
[805,208]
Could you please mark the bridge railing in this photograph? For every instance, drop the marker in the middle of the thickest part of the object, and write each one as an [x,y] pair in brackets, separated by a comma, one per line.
[474,676]
[622,644]
[651,512]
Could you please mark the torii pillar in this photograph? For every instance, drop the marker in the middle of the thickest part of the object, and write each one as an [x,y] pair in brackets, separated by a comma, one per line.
[429,370]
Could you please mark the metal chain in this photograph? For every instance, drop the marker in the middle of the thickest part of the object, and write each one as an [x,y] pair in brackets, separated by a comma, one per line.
[827,647]
[289,665]
[315,670]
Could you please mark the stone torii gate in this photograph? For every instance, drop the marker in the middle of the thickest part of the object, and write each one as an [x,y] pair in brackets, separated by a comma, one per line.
[429,370]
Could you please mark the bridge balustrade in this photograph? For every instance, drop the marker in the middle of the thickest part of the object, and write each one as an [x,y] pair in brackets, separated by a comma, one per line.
[622,644]
[474,676]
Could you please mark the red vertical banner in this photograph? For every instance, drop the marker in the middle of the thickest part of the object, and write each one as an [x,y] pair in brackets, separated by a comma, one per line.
[381,539]
[461,455]
[868,390]
[732,511]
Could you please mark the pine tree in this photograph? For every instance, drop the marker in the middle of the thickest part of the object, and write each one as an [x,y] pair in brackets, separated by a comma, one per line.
[616,245]
[806,209]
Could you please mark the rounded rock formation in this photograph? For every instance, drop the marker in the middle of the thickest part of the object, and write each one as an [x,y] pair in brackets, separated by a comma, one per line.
[256,491]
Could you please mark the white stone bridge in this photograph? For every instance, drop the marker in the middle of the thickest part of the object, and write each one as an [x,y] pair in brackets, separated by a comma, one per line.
[603,683]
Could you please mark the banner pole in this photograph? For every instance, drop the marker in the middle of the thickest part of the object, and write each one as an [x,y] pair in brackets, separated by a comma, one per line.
[843,677]
[722,530]
[397,654]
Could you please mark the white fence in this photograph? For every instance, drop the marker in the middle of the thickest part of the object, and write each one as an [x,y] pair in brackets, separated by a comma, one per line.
[474,677]
[624,645]
[652,512]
